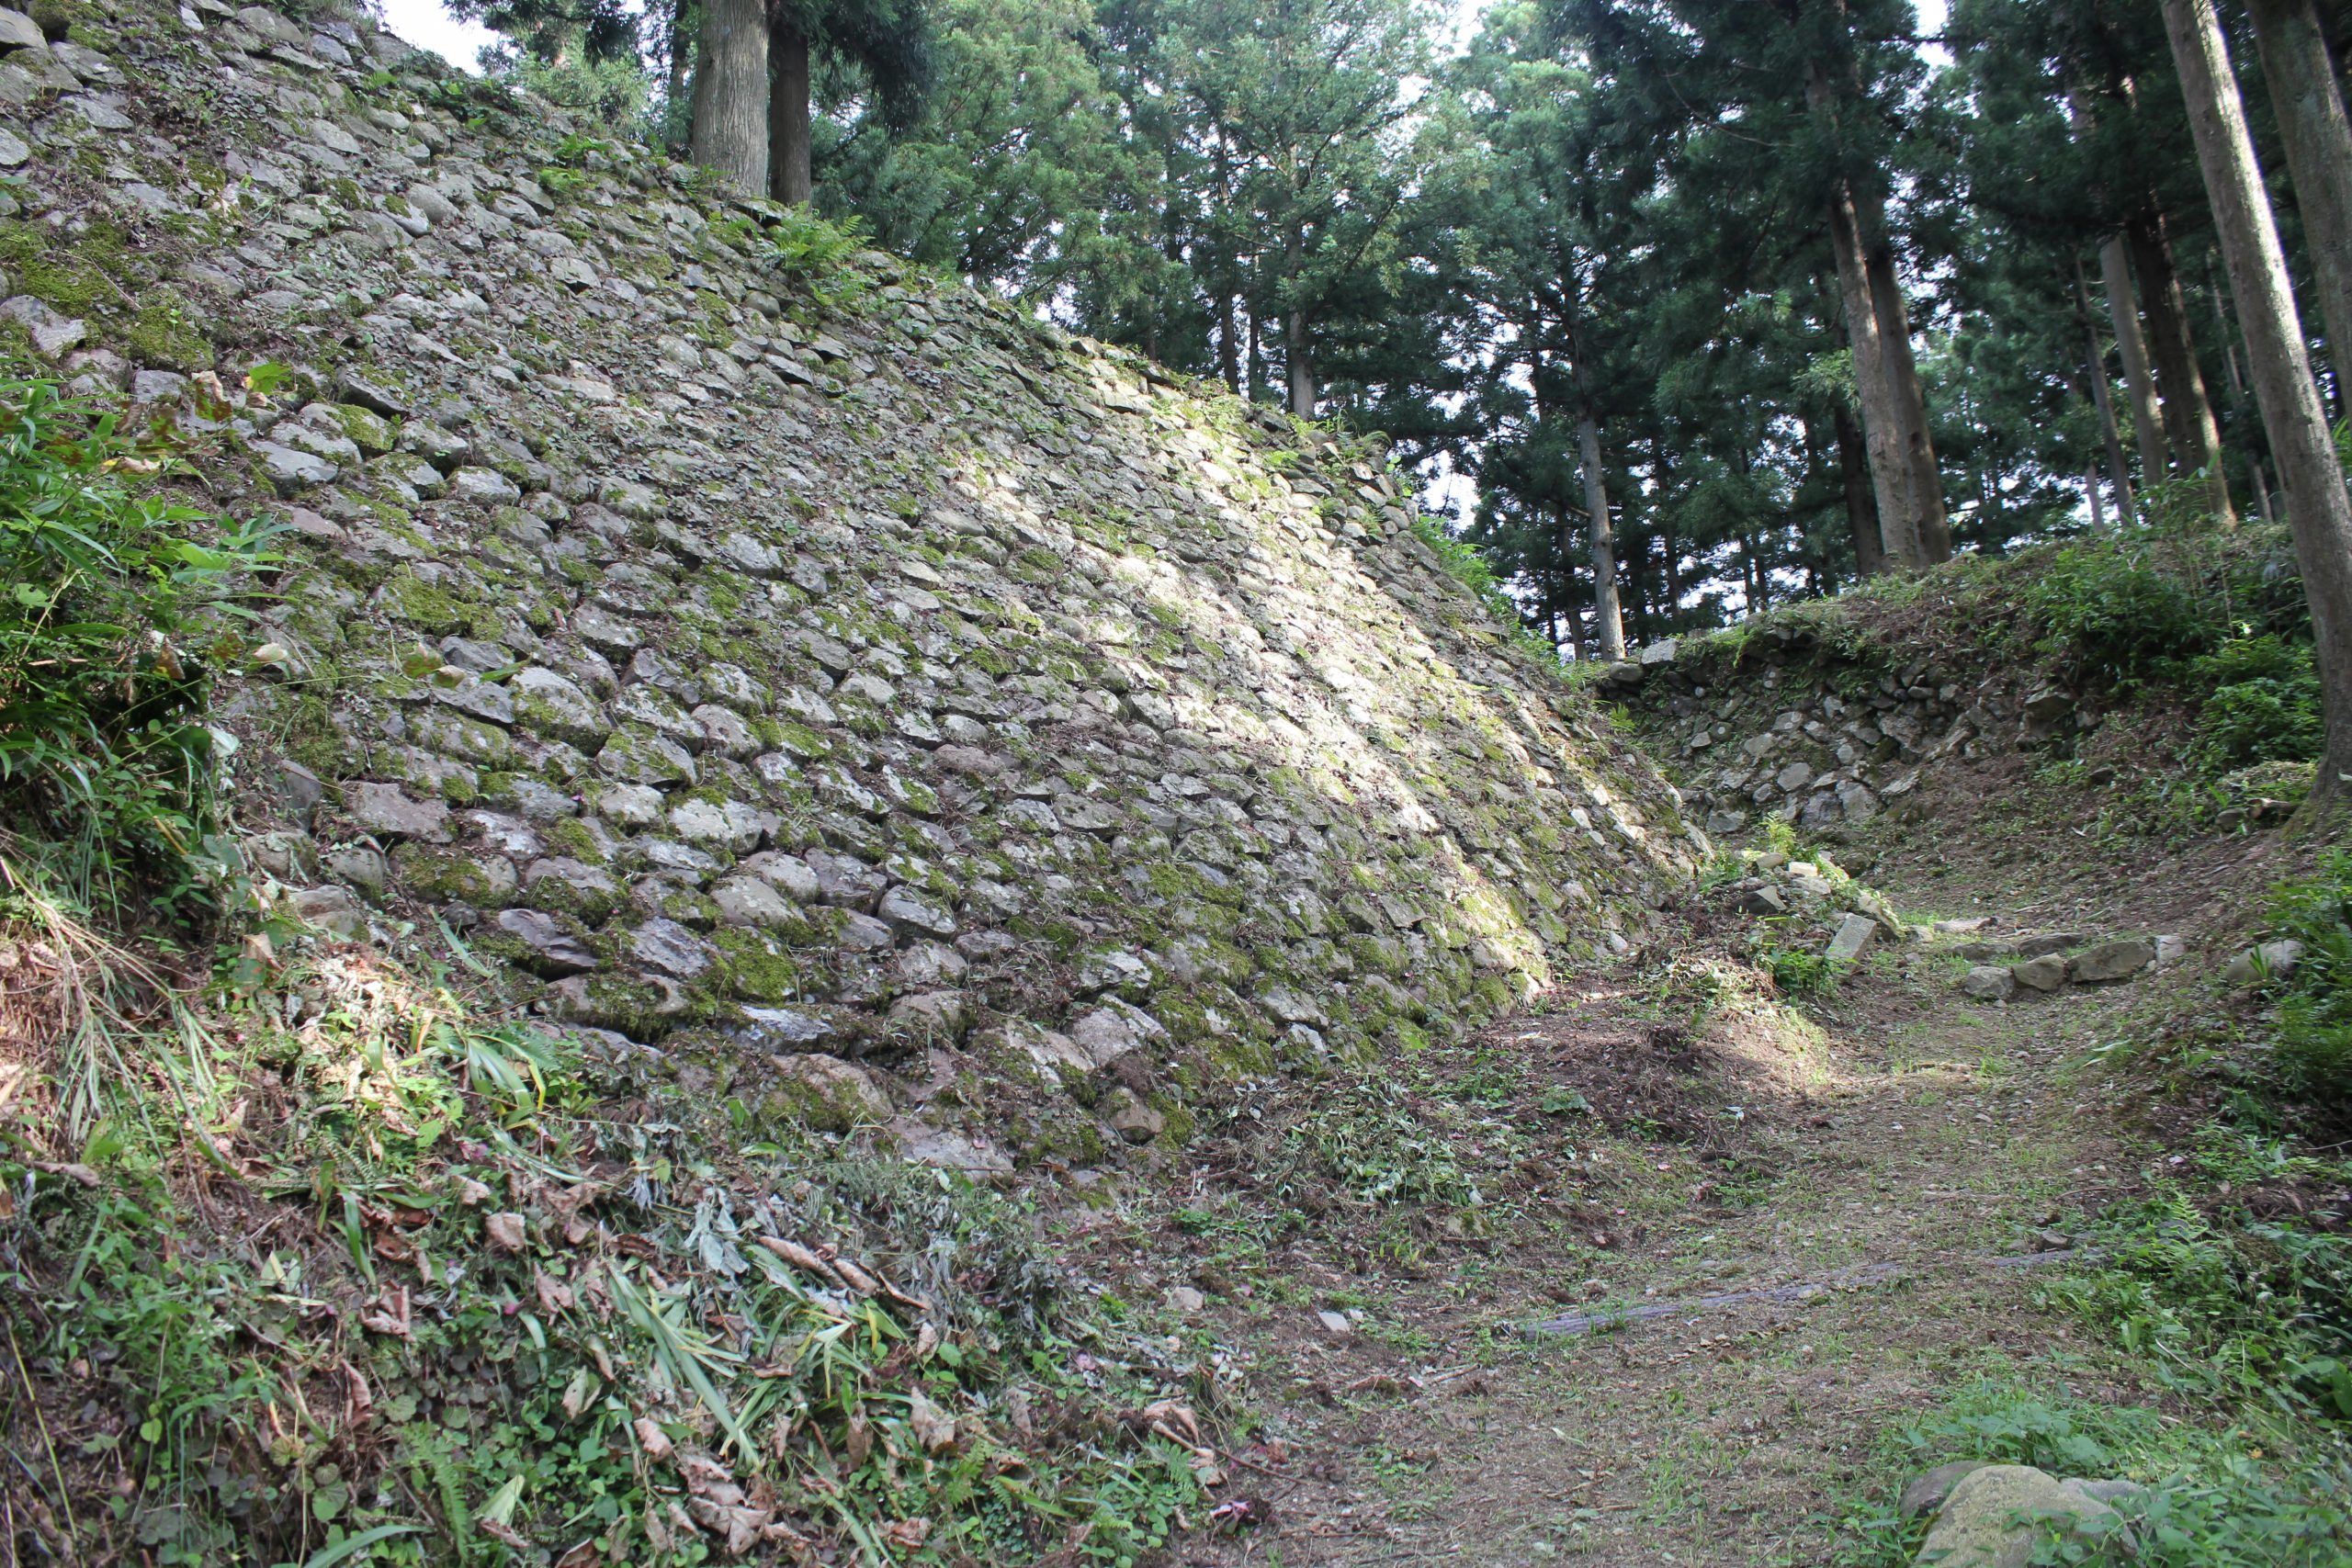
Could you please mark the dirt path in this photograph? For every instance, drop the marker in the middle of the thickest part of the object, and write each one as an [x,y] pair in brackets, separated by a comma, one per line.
[1916,1139]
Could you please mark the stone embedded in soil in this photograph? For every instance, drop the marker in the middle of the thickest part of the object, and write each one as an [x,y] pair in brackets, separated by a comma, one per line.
[1989,983]
[2046,973]
[1854,933]
[2117,960]
[1926,1492]
[1998,1516]
[2270,960]
[2056,942]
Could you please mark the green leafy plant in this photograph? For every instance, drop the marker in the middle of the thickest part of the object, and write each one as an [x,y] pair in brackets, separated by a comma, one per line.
[2115,611]
[813,253]
[2264,704]
[119,604]
[2315,1015]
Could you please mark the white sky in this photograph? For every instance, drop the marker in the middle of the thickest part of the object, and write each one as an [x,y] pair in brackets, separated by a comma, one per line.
[428,25]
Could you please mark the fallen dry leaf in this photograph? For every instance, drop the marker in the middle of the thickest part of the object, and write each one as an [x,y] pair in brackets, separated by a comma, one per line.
[505,1231]
[933,1428]
[652,1437]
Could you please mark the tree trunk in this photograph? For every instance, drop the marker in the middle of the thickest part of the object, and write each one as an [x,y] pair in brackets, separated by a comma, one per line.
[730,133]
[2319,509]
[2104,402]
[1862,514]
[788,116]
[2115,271]
[1607,618]
[2311,126]
[1296,365]
[1911,402]
[1229,347]
[2195,438]
[1890,475]
[1257,367]
[681,66]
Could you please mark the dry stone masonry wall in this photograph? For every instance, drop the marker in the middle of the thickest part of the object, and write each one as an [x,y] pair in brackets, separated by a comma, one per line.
[891,712]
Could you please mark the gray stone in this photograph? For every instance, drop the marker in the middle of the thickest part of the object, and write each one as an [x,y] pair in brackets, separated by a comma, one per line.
[1766,900]
[1794,777]
[912,909]
[19,32]
[716,825]
[789,874]
[1926,1492]
[2270,960]
[291,471]
[1998,1516]
[752,901]
[484,487]
[941,1015]
[784,1028]
[100,111]
[922,1144]
[385,810]
[628,807]
[2057,942]
[51,333]
[2117,960]
[330,909]
[671,948]
[554,951]
[831,1093]
[1989,983]
[1854,933]
[1131,1117]
[863,933]
[553,705]
[1103,1036]
[2046,973]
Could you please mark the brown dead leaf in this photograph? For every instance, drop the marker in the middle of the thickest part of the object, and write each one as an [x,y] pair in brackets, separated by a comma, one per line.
[387,1312]
[652,1437]
[906,1535]
[472,1194]
[554,1296]
[933,1428]
[505,1231]
[799,1257]
[856,1278]
[361,1403]
[1175,1418]
[736,1526]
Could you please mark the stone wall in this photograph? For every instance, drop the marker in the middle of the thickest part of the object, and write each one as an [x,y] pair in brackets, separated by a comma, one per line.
[887,709]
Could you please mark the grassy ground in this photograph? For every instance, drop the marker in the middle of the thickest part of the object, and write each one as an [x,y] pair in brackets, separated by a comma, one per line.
[1665,1135]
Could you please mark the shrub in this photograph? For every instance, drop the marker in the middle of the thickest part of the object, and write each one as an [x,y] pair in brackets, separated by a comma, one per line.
[2265,706]
[112,617]
[2315,1013]
[814,253]
[2120,615]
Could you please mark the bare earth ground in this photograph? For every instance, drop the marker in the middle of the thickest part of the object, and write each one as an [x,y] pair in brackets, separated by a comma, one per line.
[1910,1139]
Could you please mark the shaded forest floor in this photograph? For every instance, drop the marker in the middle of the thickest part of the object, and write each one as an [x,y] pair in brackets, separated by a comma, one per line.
[1870,1176]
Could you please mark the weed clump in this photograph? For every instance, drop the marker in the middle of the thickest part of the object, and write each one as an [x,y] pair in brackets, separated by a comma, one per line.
[120,604]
